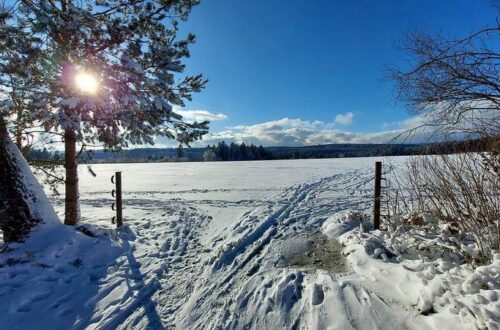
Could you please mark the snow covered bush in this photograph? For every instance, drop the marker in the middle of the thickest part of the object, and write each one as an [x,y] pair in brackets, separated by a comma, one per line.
[427,264]
[462,192]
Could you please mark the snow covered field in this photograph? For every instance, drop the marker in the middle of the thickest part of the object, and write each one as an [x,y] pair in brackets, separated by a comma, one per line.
[222,245]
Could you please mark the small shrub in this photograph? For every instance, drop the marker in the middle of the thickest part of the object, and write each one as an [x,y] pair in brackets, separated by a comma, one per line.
[460,190]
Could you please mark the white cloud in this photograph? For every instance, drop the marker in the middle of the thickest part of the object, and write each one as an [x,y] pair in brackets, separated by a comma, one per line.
[344,119]
[199,115]
[299,132]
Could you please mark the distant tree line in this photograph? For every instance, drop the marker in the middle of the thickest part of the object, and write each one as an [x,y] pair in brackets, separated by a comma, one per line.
[39,154]
[234,152]
[223,151]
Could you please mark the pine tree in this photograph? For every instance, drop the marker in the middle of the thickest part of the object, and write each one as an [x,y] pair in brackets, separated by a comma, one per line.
[18,72]
[107,74]
[263,154]
[243,152]
[180,152]
[222,151]
[234,151]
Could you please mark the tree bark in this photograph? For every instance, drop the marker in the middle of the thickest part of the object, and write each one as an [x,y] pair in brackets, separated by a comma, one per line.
[72,211]
[19,130]
[71,205]
[16,215]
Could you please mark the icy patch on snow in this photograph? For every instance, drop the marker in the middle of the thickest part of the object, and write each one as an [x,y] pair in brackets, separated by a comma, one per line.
[310,251]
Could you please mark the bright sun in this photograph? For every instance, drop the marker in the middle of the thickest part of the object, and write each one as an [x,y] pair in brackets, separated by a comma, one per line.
[86,82]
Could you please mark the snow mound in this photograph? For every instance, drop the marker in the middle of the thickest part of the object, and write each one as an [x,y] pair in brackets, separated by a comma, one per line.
[341,222]
[421,269]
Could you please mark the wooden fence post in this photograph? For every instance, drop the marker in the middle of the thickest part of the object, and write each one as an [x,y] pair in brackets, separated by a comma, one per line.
[117,193]
[378,191]
[119,219]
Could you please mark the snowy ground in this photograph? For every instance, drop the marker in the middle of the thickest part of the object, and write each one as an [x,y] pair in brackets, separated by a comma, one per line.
[221,245]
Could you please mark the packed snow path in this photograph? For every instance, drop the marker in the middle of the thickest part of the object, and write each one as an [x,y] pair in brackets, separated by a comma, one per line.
[249,285]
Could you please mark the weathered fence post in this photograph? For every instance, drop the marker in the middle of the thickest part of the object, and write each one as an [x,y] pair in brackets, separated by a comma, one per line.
[117,193]
[378,190]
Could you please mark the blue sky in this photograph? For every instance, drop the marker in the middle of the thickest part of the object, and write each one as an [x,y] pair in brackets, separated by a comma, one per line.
[279,66]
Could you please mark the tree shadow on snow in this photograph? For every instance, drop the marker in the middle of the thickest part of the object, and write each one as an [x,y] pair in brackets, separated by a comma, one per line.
[135,280]
[78,282]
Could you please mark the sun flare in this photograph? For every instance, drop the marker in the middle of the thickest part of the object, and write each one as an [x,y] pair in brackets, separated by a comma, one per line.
[86,82]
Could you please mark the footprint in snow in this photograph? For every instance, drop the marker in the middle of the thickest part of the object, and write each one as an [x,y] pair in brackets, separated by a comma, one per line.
[318,295]
[23,308]
[64,312]
[40,296]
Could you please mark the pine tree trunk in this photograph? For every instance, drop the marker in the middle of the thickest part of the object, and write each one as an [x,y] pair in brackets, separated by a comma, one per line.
[72,212]
[71,206]
[16,217]
[19,131]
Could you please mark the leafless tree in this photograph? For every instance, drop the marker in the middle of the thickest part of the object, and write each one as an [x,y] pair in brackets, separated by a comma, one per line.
[453,84]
